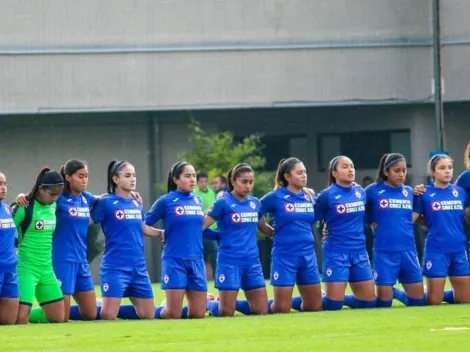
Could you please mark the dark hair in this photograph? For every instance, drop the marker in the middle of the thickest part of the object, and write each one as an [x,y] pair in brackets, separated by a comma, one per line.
[467,156]
[386,162]
[47,178]
[333,165]
[235,173]
[435,159]
[113,169]
[223,179]
[175,172]
[69,168]
[201,174]
[285,166]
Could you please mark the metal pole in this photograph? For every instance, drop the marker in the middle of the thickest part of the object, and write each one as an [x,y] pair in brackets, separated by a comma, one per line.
[438,106]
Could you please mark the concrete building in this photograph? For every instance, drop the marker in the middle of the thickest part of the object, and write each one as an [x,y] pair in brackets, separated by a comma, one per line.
[89,80]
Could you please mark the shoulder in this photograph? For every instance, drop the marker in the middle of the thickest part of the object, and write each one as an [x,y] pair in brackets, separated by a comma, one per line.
[372,187]
[254,200]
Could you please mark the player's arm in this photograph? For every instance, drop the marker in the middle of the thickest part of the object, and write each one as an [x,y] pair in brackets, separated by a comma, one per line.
[265,228]
[418,208]
[467,215]
[151,231]
[215,213]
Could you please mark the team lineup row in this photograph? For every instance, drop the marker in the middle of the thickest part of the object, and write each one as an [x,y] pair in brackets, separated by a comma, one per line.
[51,224]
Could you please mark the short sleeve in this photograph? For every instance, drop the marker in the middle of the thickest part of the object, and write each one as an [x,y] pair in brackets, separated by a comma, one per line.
[464,181]
[217,209]
[19,214]
[268,203]
[98,211]
[418,204]
[321,206]
[156,212]
[91,199]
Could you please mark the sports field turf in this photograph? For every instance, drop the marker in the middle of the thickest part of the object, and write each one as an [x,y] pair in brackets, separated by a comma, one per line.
[397,329]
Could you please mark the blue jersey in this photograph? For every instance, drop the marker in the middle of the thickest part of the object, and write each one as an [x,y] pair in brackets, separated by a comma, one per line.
[443,211]
[391,208]
[8,257]
[343,210]
[237,223]
[70,235]
[182,216]
[293,218]
[122,224]
[464,181]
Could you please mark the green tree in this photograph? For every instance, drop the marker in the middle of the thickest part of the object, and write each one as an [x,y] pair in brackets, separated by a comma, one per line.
[217,153]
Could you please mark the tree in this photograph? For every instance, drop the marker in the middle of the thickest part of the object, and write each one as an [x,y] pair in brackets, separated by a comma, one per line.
[218,153]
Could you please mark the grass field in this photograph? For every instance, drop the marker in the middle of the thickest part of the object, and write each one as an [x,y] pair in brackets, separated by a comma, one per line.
[396,329]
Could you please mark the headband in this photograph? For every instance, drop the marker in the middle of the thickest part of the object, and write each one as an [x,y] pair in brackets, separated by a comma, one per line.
[389,162]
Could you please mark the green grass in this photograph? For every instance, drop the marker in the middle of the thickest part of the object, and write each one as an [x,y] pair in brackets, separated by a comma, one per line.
[396,329]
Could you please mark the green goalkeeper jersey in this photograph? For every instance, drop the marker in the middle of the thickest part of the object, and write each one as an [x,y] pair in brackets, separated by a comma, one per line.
[35,245]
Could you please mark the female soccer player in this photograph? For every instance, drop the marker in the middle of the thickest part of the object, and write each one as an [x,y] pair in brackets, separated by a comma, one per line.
[390,208]
[183,269]
[35,225]
[342,207]
[444,207]
[8,260]
[238,216]
[293,260]
[464,179]
[123,270]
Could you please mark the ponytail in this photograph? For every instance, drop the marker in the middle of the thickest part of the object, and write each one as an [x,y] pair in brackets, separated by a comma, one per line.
[175,172]
[47,178]
[113,169]
[235,172]
[34,191]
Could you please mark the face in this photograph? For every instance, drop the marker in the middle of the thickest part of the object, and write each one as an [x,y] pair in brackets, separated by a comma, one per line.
[3,187]
[443,170]
[297,176]
[126,179]
[79,180]
[396,175]
[186,181]
[345,171]
[202,183]
[49,195]
[243,184]
[217,184]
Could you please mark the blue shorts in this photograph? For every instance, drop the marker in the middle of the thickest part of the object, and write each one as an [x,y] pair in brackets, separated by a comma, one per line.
[346,267]
[126,282]
[232,277]
[74,277]
[440,265]
[291,270]
[392,266]
[9,285]
[184,274]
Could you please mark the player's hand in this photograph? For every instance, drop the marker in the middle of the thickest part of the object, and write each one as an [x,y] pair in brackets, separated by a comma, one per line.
[373,226]
[419,189]
[137,197]
[324,234]
[22,200]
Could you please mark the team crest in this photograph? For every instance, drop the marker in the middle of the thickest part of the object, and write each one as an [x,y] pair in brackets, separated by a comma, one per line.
[383,203]
[84,200]
[428,264]
[236,218]
[52,211]
[221,278]
[252,205]
[59,282]
[329,272]
[179,211]
[196,200]
[7,209]
[455,193]
[436,206]
[340,209]
[358,194]
[119,214]
[405,192]
[166,278]
[73,211]
[289,207]
[275,275]
[136,203]
[376,275]
[105,287]
[39,225]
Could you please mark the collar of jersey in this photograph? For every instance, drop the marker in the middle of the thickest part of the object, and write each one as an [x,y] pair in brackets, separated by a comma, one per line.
[287,191]
[182,194]
[350,188]
[393,189]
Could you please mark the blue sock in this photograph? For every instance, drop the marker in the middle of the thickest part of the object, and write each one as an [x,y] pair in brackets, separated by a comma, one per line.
[213,308]
[297,303]
[75,313]
[127,312]
[158,312]
[354,303]
[329,304]
[270,305]
[449,296]
[384,304]
[243,307]
[400,295]
[185,312]
[417,302]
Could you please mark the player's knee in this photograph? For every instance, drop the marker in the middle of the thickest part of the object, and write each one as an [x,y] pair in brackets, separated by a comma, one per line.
[282,307]
[260,310]
[226,312]
[312,306]
[108,315]
[169,314]
[434,300]
[88,315]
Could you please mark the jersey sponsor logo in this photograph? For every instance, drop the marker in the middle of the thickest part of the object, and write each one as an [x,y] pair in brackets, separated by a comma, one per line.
[252,205]
[348,208]
[128,214]
[395,203]
[289,207]
[447,205]
[340,209]
[73,211]
[383,203]
[44,225]
[221,278]
[105,287]
[237,218]
[299,207]
[81,212]
[119,214]
[189,210]
[39,225]
[7,224]
[275,275]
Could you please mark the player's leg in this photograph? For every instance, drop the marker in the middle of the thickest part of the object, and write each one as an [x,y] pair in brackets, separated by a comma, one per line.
[174,282]
[228,283]
[308,283]
[435,269]
[85,293]
[386,269]
[196,289]
[141,293]
[9,298]
[66,274]
[114,283]
[50,297]
[335,274]
[27,282]
[209,256]
[459,272]
[283,275]
[411,278]
[362,285]
[252,282]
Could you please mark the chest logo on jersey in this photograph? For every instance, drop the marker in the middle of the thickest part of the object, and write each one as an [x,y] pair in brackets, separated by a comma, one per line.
[348,208]
[237,218]
[82,212]
[395,204]
[7,224]
[128,214]
[44,225]
[298,207]
[447,205]
[189,210]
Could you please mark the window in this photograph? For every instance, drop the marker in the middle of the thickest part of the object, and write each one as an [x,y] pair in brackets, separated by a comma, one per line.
[364,148]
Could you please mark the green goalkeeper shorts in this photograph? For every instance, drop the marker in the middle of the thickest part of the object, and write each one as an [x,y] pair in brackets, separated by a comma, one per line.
[40,283]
